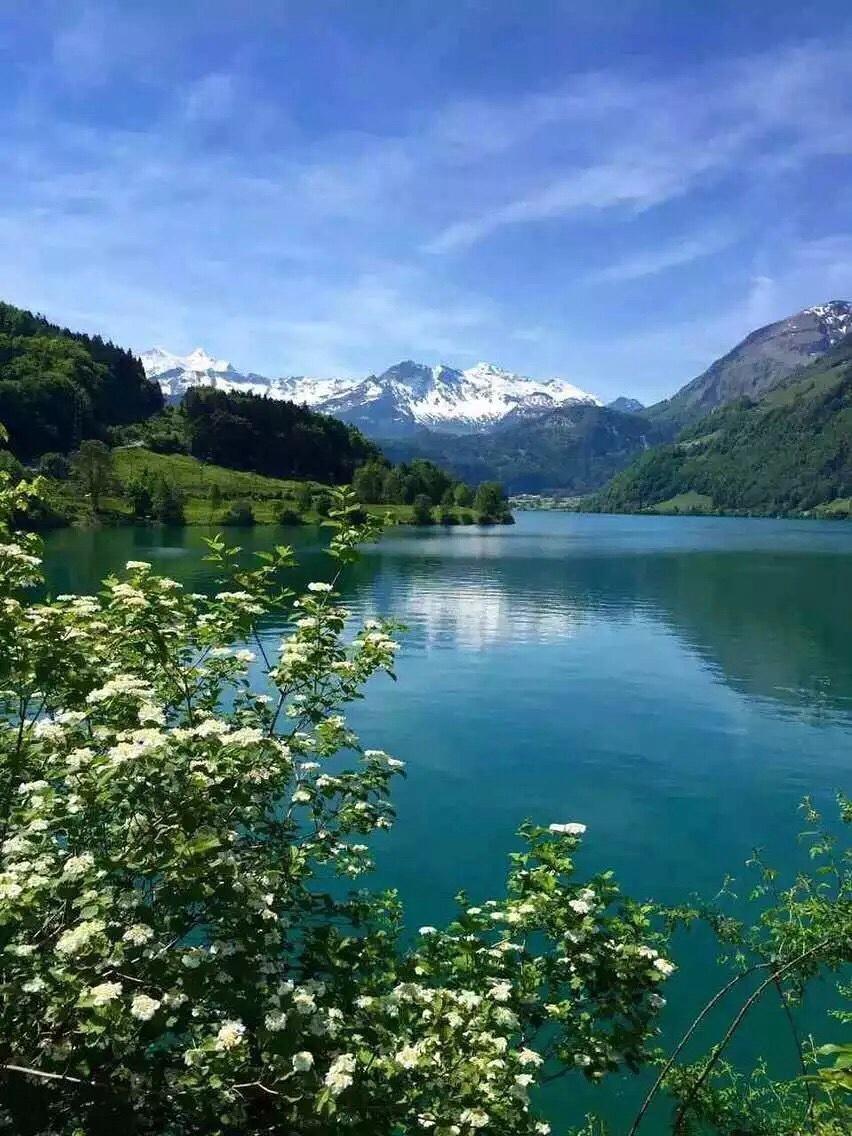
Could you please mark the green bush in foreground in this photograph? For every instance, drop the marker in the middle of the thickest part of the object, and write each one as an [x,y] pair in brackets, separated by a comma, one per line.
[185,942]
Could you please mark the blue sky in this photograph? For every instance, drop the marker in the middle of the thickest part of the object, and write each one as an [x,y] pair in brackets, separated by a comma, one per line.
[612,193]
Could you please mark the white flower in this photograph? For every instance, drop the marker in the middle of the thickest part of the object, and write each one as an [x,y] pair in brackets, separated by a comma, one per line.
[245,736]
[105,992]
[664,967]
[529,1057]
[76,939]
[33,986]
[137,565]
[230,1035]
[210,727]
[151,714]
[574,828]
[580,906]
[28,787]
[78,865]
[276,1020]
[428,930]
[318,586]
[138,934]
[500,991]
[304,1002]
[48,730]
[78,757]
[407,1057]
[474,1118]
[339,1075]
[303,1061]
[143,1008]
[245,656]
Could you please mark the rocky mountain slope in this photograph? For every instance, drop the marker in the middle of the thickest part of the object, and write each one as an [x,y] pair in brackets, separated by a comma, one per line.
[626,405]
[755,365]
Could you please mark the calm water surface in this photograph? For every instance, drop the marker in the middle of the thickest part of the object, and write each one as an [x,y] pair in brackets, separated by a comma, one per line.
[677,684]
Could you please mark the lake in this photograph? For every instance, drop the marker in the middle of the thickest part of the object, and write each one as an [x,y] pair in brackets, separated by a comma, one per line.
[677,684]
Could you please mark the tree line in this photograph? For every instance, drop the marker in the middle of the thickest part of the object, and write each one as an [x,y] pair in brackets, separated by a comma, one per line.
[427,487]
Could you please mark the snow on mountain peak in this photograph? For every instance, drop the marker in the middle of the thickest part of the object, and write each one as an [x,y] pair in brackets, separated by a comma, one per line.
[836,318]
[200,360]
[406,396]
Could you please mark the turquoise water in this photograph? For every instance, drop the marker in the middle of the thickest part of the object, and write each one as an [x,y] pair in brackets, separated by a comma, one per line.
[677,684]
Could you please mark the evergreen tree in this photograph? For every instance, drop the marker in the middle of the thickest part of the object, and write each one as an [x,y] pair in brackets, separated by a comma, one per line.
[139,494]
[304,497]
[422,510]
[167,504]
[215,499]
[393,490]
[55,465]
[92,466]
[368,482]
[490,502]
[463,495]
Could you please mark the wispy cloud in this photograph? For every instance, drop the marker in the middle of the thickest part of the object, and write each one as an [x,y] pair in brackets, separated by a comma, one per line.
[662,258]
[163,191]
[660,140]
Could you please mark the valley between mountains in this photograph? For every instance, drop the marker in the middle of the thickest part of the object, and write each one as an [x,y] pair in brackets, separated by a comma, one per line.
[551,438]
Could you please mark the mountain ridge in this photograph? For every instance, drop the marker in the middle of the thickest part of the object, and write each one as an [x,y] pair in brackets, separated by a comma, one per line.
[786,453]
[401,400]
[758,362]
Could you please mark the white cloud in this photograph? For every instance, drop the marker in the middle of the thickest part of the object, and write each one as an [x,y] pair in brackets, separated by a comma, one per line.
[653,261]
[652,142]
[217,216]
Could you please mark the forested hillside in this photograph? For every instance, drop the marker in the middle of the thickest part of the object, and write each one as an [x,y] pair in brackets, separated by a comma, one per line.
[272,437]
[788,453]
[572,449]
[58,386]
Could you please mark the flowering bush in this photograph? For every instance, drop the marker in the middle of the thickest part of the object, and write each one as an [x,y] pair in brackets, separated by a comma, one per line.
[183,947]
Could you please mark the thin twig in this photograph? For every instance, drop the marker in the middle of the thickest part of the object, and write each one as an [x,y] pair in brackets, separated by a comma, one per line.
[799,1048]
[655,1088]
[48,1076]
[734,1026]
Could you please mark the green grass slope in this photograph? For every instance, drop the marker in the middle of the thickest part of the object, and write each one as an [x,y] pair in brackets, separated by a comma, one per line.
[789,453]
[209,493]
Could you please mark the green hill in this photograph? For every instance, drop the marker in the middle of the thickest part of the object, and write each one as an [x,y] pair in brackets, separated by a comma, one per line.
[572,449]
[58,386]
[789,453]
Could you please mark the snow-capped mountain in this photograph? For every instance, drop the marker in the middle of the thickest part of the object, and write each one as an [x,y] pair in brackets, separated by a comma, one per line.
[402,400]
[177,373]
